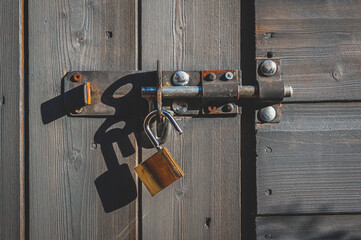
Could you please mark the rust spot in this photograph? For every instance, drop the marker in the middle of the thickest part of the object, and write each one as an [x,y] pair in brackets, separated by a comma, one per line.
[212,108]
[77,77]
[205,73]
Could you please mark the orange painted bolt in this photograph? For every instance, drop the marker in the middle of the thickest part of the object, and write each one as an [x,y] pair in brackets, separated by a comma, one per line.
[77,77]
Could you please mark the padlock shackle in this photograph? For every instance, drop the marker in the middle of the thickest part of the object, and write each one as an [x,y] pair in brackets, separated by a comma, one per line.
[149,133]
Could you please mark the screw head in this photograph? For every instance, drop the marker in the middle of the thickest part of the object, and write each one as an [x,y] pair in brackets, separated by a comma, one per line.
[227,108]
[268,68]
[180,107]
[212,76]
[228,75]
[267,114]
[268,192]
[80,110]
[77,77]
[180,78]
[268,236]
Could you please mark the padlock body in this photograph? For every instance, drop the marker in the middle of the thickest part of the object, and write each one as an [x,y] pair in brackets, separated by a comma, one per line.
[159,171]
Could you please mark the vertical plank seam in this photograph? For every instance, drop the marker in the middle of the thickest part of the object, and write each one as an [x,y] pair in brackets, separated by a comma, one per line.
[21,120]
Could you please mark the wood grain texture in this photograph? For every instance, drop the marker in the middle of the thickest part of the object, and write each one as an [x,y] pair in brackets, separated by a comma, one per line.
[318,43]
[341,227]
[11,121]
[64,162]
[310,161]
[205,203]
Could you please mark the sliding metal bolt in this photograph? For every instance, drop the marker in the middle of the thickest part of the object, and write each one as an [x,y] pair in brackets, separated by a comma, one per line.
[180,78]
[268,68]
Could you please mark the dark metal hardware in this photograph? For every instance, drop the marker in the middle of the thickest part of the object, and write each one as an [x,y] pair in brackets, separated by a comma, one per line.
[207,93]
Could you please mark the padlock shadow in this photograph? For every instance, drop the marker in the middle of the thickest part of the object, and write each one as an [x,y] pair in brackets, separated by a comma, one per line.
[116,187]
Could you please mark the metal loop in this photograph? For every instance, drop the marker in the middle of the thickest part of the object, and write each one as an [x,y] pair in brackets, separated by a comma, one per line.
[149,133]
[159,92]
[161,129]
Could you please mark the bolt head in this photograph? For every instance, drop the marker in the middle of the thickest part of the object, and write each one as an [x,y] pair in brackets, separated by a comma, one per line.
[180,78]
[268,68]
[228,75]
[227,108]
[77,77]
[267,114]
[80,110]
[212,76]
[180,107]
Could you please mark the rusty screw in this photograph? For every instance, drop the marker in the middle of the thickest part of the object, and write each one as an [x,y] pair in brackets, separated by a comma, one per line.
[77,77]
[212,76]
[212,108]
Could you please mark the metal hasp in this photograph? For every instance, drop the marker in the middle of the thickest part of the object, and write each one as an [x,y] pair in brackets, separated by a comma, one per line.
[186,93]
[214,92]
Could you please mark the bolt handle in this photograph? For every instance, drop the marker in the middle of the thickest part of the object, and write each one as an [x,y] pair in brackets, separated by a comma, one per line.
[149,133]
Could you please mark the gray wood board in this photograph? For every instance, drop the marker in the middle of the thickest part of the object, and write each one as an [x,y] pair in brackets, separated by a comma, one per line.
[318,43]
[11,122]
[206,202]
[64,160]
[340,227]
[310,160]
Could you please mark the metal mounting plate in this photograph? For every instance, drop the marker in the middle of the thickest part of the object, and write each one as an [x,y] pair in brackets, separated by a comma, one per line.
[119,93]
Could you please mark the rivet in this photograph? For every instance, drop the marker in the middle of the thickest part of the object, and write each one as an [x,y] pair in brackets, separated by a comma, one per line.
[180,78]
[268,68]
[267,114]
[228,75]
[180,107]
[212,76]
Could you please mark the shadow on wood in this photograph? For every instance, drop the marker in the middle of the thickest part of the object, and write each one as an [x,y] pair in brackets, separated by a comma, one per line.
[116,187]
[54,109]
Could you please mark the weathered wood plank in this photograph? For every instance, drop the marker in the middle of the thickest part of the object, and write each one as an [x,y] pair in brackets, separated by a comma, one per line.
[11,121]
[310,161]
[65,156]
[318,43]
[205,203]
[345,227]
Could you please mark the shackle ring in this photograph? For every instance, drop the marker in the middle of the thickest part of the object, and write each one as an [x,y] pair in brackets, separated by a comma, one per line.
[149,133]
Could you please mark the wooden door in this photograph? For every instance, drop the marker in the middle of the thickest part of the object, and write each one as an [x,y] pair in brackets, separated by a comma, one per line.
[308,166]
[66,157]
[298,179]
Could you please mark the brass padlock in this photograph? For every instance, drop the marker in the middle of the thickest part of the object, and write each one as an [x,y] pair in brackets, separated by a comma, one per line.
[160,170]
